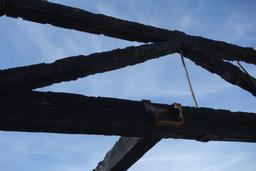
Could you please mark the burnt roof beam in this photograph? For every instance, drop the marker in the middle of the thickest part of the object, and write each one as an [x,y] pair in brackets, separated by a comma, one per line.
[77,114]
[45,12]
[72,68]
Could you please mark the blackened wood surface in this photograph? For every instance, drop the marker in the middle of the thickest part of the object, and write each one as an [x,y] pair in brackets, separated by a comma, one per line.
[71,68]
[228,72]
[70,113]
[125,152]
[204,52]
[72,18]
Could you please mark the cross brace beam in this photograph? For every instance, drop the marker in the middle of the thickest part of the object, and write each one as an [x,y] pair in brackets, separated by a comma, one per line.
[125,152]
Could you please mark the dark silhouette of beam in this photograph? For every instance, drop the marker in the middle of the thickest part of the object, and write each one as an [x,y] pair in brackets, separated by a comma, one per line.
[125,153]
[204,52]
[59,15]
[71,68]
[70,113]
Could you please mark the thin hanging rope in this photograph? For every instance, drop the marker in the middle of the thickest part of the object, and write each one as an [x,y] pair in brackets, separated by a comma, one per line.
[188,79]
[251,77]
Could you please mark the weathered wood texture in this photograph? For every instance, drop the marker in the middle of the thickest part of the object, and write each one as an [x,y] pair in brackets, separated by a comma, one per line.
[125,153]
[70,113]
[230,73]
[72,18]
[71,68]
[202,51]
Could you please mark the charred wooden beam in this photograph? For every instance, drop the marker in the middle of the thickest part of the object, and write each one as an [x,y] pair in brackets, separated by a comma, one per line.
[71,68]
[72,18]
[125,153]
[202,51]
[229,72]
[70,113]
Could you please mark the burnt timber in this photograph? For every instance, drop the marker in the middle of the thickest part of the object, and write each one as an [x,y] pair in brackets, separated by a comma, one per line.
[206,53]
[73,18]
[47,107]
[72,68]
[70,113]
[126,151]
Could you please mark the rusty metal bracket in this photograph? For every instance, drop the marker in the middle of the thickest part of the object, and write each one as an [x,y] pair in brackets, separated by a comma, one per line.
[171,116]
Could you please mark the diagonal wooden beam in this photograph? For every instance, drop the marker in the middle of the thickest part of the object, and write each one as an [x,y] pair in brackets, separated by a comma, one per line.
[125,152]
[71,68]
[229,72]
[45,12]
[70,113]
[199,43]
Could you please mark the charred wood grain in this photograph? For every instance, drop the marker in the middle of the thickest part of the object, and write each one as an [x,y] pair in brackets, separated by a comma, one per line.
[77,114]
[125,152]
[227,71]
[72,68]
[68,113]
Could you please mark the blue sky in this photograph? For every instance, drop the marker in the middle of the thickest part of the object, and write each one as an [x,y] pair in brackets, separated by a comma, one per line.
[162,81]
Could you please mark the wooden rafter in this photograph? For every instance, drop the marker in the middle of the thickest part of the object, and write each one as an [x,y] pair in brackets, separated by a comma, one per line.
[73,18]
[218,125]
[125,153]
[207,53]
[70,113]
[71,68]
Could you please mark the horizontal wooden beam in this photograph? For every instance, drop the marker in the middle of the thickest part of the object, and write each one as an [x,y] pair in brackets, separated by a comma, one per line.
[125,152]
[45,12]
[70,113]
